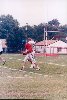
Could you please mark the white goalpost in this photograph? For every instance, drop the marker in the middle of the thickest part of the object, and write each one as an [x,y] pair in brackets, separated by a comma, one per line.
[45,38]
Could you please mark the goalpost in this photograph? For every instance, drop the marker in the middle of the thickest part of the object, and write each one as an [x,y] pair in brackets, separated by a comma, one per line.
[45,38]
[45,43]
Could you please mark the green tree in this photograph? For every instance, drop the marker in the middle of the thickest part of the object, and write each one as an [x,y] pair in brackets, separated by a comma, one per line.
[53,25]
[63,28]
[39,32]
[10,30]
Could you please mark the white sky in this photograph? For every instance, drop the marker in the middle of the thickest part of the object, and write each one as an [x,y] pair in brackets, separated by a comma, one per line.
[35,12]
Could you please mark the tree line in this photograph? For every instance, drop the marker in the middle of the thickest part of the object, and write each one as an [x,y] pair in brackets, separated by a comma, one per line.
[16,36]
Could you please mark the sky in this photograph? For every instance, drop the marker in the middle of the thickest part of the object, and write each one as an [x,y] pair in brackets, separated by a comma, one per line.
[35,12]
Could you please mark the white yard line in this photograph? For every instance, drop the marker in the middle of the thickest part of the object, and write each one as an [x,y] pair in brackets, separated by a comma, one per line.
[51,63]
[5,67]
[11,58]
[13,69]
[21,71]
[15,77]
[19,59]
[30,71]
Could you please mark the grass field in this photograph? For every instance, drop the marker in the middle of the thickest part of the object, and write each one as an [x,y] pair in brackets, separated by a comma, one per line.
[49,83]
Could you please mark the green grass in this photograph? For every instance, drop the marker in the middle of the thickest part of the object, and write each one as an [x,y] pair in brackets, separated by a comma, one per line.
[49,83]
[15,61]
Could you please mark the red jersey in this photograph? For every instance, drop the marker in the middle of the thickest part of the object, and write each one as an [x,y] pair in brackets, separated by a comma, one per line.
[28,47]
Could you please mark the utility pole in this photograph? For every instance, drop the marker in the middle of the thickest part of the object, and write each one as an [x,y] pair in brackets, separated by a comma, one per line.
[26,30]
[44,39]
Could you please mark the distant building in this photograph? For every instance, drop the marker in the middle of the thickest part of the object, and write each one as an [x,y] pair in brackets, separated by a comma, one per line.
[53,46]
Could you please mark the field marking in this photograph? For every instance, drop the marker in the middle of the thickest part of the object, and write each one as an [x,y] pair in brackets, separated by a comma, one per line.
[51,63]
[55,64]
[13,69]
[21,71]
[19,59]
[11,58]
[30,71]
[5,67]
[26,75]
[15,77]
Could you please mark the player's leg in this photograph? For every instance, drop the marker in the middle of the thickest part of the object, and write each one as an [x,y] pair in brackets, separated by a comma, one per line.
[24,62]
[2,59]
[34,63]
[29,60]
